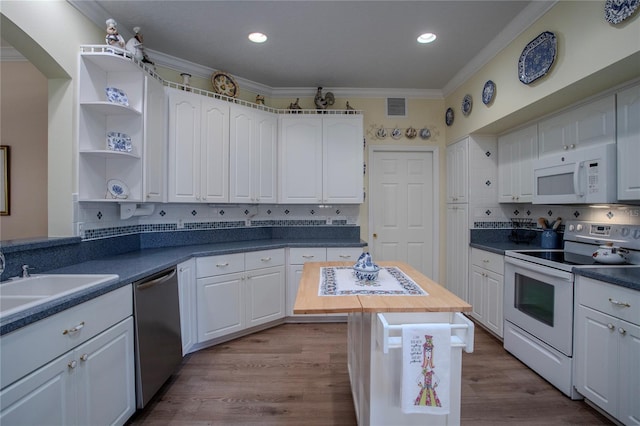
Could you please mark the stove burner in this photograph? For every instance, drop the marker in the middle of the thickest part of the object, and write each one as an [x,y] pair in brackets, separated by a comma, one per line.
[561,257]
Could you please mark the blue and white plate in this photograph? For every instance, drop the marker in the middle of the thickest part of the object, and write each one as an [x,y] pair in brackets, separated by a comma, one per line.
[467,104]
[120,142]
[616,11]
[448,117]
[396,133]
[425,133]
[117,189]
[537,57]
[116,96]
[488,92]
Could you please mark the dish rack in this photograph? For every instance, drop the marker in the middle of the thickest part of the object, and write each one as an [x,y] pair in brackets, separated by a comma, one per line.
[522,231]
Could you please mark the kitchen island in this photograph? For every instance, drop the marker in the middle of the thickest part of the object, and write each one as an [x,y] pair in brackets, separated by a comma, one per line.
[376,323]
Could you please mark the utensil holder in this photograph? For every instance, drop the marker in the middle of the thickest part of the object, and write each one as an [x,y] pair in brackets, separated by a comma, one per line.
[550,239]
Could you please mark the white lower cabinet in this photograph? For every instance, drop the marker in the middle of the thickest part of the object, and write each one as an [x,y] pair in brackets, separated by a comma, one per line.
[188,310]
[298,256]
[607,347]
[239,291]
[486,284]
[91,384]
[458,250]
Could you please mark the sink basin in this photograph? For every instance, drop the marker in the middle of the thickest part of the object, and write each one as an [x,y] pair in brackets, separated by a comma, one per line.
[24,293]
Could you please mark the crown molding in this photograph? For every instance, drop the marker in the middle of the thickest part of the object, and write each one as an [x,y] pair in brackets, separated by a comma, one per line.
[517,26]
[10,54]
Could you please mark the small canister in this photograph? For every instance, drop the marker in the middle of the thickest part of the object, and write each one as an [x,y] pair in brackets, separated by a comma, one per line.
[550,239]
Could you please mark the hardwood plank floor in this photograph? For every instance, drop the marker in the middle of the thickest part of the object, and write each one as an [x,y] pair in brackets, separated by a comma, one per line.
[296,374]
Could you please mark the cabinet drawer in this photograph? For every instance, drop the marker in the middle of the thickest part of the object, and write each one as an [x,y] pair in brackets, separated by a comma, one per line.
[343,254]
[263,259]
[218,265]
[32,346]
[485,259]
[298,256]
[603,296]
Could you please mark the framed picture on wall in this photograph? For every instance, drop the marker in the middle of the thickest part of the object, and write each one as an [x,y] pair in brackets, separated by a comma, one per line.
[4,180]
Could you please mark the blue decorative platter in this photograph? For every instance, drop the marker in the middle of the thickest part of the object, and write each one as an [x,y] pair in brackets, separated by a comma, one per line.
[116,96]
[467,104]
[448,117]
[117,141]
[616,11]
[537,57]
[488,92]
[117,189]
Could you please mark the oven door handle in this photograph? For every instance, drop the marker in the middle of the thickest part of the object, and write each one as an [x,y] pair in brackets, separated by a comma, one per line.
[540,269]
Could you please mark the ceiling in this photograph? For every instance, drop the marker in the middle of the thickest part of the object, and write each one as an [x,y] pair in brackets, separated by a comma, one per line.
[347,44]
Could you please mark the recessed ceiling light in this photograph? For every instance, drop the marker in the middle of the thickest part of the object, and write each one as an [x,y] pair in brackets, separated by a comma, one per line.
[426,38]
[257,37]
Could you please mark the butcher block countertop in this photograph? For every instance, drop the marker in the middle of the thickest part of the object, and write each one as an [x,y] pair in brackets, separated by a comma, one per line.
[438,298]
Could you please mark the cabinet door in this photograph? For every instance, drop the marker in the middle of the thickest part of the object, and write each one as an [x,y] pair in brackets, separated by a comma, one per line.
[187,292]
[265,295]
[241,134]
[596,357]
[184,146]
[44,397]
[516,152]
[155,142]
[628,129]
[265,158]
[221,307]
[106,373]
[458,249]
[493,289]
[477,293]
[300,165]
[629,388]
[343,159]
[457,172]
[214,151]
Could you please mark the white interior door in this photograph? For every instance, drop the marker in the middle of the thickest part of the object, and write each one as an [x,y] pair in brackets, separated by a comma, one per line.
[403,206]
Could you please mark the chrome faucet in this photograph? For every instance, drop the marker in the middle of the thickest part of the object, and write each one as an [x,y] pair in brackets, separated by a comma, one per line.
[25,271]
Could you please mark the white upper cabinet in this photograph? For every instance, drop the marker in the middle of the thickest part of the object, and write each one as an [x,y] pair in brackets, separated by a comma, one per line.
[458,171]
[587,125]
[321,159]
[253,155]
[516,152]
[97,164]
[198,148]
[155,148]
[628,128]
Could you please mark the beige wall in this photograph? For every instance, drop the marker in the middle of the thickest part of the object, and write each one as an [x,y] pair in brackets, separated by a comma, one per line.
[24,129]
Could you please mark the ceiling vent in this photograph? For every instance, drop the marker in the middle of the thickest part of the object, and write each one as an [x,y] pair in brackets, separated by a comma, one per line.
[396,107]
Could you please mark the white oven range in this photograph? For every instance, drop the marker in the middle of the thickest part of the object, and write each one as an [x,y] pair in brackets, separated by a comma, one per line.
[539,293]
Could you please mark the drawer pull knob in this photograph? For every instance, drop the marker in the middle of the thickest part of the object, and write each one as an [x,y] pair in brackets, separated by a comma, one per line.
[222,265]
[617,303]
[84,357]
[74,329]
[72,364]
[265,259]
[622,331]
[610,326]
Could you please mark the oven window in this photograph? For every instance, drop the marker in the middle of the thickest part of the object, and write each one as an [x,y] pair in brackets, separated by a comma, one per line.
[534,298]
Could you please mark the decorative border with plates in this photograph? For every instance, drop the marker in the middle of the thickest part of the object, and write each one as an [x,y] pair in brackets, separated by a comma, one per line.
[537,57]
[616,11]
[488,92]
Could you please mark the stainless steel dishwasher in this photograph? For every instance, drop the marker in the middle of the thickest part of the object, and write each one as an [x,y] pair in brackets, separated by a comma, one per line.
[158,338]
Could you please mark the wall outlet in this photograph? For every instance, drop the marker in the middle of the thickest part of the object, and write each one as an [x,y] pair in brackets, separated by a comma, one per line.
[180,224]
[80,229]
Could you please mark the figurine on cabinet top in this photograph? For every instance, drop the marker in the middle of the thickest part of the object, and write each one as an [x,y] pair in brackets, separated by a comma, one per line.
[113,38]
[323,101]
[295,105]
[136,47]
[260,99]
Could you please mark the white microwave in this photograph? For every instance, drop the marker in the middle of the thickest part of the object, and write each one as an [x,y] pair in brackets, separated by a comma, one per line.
[581,176]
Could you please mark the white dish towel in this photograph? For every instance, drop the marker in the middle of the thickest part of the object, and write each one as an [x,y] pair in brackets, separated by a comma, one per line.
[426,368]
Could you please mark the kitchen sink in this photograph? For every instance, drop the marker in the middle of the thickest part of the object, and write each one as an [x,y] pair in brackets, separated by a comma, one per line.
[23,293]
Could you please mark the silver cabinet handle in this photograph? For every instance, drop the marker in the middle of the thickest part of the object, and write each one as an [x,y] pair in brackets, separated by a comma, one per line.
[84,357]
[308,256]
[72,364]
[618,303]
[610,326]
[265,259]
[622,331]
[73,329]
[345,256]
[222,265]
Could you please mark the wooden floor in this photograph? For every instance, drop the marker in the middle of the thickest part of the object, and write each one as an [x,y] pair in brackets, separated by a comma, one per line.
[296,374]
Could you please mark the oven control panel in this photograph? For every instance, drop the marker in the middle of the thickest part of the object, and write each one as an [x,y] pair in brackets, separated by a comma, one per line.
[627,236]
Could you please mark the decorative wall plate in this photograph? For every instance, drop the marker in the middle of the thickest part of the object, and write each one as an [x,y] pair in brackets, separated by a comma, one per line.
[467,104]
[224,84]
[117,141]
[616,11]
[537,57]
[381,133]
[488,92]
[411,133]
[425,133]
[396,133]
[448,117]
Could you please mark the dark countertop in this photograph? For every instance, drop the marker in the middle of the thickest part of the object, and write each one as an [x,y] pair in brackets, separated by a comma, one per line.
[625,276]
[501,247]
[137,265]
